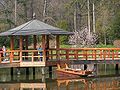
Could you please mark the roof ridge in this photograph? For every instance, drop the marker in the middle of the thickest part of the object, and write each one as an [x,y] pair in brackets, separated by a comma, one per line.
[23,27]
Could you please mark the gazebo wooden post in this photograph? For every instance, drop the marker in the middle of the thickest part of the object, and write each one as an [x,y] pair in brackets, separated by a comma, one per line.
[44,53]
[20,46]
[43,46]
[47,47]
[47,55]
[35,42]
[26,42]
[26,47]
[34,46]
[11,47]
[57,46]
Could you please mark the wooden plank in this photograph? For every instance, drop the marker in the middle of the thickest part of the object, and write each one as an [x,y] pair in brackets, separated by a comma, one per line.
[6,65]
[32,64]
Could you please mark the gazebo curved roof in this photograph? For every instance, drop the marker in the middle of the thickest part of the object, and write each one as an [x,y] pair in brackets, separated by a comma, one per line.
[35,27]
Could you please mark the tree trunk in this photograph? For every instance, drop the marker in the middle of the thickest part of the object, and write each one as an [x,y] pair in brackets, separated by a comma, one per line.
[88,3]
[45,10]
[94,18]
[75,18]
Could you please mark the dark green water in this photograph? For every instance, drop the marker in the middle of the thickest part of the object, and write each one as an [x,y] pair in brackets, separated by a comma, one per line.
[106,79]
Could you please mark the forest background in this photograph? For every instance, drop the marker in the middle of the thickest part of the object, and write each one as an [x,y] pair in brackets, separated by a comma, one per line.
[99,17]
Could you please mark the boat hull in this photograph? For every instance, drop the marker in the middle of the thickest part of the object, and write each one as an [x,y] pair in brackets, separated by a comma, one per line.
[72,73]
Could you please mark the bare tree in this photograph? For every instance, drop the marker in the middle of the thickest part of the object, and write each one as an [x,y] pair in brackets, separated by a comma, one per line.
[45,10]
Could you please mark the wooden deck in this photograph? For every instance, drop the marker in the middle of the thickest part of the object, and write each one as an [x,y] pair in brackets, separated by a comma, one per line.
[30,58]
[22,64]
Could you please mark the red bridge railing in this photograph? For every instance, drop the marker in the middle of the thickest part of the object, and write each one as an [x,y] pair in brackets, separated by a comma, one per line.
[62,54]
[85,54]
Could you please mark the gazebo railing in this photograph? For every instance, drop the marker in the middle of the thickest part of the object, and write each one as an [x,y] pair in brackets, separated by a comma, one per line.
[20,56]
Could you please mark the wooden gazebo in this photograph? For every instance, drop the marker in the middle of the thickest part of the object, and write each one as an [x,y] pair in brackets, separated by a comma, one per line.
[34,28]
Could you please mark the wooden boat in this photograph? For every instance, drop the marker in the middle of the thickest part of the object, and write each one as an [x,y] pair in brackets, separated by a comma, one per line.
[71,73]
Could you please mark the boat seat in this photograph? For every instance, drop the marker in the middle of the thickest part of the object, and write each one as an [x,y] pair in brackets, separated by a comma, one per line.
[78,69]
[69,69]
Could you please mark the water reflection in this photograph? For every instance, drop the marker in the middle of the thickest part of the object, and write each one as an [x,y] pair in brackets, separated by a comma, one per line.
[108,81]
[104,83]
[22,86]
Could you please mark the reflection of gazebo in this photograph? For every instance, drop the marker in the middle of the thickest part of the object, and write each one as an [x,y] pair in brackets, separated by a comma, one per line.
[33,27]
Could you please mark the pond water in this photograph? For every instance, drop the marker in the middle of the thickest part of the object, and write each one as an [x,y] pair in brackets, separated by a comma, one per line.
[107,79]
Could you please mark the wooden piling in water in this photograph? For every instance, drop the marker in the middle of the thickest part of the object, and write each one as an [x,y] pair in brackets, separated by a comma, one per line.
[27,73]
[27,70]
[33,72]
[11,72]
[50,71]
[117,67]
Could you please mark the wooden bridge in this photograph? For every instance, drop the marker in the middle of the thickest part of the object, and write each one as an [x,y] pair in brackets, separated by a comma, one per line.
[30,58]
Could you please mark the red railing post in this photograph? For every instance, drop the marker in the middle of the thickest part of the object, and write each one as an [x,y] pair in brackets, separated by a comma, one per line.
[116,53]
[67,54]
[86,55]
[101,53]
[11,56]
[58,54]
[33,54]
[95,54]
[104,54]
[112,54]
[108,53]
[76,54]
